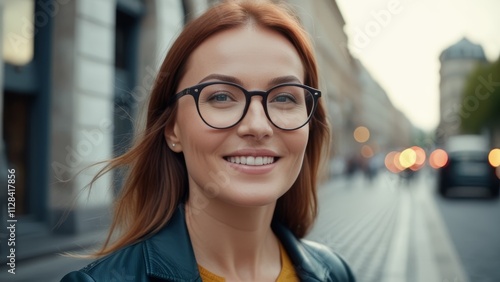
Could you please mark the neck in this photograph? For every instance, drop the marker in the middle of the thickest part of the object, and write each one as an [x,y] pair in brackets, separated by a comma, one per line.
[235,242]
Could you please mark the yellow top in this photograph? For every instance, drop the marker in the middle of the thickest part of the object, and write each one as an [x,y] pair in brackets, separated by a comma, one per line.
[287,273]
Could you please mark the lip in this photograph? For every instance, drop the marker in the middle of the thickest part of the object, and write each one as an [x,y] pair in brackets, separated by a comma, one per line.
[253,170]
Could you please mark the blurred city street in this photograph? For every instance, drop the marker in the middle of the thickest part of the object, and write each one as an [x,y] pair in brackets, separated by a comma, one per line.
[411,90]
[387,228]
[392,229]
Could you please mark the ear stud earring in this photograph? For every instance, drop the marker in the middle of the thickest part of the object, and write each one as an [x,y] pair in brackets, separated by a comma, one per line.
[173,144]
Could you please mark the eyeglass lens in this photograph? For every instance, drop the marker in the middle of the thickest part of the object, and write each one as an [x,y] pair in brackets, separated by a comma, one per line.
[223,105]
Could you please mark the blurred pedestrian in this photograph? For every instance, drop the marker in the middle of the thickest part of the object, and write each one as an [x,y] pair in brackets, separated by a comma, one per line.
[222,183]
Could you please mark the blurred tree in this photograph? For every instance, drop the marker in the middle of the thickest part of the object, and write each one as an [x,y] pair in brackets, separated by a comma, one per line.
[480,108]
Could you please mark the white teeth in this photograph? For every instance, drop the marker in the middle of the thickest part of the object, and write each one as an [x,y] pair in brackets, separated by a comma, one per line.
[250,160]
[258,161]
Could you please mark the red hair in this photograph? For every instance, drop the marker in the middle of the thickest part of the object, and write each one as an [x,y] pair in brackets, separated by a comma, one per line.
[156,181]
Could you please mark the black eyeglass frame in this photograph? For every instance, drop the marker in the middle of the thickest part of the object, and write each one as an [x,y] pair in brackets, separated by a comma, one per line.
[196,90]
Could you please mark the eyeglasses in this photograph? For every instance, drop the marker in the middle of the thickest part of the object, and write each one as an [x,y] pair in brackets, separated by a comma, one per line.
[222,105]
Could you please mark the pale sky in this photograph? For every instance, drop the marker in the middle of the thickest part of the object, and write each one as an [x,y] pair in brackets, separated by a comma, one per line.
[399,42]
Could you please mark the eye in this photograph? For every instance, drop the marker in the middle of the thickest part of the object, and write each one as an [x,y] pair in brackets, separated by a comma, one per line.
[220,97]
[284,98]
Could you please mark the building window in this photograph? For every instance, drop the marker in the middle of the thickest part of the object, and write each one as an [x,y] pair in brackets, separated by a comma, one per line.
[128,15]
[18,31]
[26,53]
[18,51]
[16,134]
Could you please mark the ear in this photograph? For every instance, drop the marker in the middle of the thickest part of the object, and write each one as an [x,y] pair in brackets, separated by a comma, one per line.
[172,138]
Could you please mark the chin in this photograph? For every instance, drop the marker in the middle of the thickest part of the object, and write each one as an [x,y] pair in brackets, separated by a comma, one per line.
[262,196]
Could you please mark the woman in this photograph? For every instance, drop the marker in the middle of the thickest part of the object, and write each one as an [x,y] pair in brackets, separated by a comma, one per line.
[222,184]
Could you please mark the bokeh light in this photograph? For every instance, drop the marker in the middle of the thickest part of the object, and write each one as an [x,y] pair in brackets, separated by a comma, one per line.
[389,162]
[361,134]
[494,157]
[438,158]
[366,151]
[407,158]
[397,163]
[420,161]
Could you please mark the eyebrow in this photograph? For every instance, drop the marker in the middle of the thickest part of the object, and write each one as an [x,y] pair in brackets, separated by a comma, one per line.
[284,79]
[222,77]
[272,82]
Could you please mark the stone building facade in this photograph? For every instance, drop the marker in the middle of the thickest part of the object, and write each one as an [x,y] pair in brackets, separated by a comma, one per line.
[457,62]
[338,70]
[73,77]
[389,127]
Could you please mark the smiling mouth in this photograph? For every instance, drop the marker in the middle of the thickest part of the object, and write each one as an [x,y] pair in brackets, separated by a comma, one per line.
[251,160]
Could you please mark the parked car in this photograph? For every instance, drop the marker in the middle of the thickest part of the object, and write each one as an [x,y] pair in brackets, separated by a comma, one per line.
[467,165]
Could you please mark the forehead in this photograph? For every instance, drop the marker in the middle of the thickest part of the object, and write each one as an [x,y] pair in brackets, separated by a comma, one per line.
[251,53]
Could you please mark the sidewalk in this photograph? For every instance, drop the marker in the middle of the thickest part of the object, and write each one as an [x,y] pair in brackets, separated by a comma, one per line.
[388,229]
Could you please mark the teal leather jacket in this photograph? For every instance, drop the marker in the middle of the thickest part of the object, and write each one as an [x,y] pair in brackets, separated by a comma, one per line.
[168,256]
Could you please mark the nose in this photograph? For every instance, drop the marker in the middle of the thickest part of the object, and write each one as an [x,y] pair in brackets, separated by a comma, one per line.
[255,123]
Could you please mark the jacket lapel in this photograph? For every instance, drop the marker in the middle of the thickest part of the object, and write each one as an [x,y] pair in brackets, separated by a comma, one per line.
[169,254]
[302,259]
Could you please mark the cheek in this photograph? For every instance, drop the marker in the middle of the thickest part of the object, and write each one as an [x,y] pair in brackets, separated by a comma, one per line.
[190,131]
[197,139]
[188,121]
[298,142]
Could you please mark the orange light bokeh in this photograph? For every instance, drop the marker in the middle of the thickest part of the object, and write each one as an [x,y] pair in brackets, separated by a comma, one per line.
[366,151]
[396,162]
[438,158]
[494,157]
[389,162]
[420,160]
[361,134]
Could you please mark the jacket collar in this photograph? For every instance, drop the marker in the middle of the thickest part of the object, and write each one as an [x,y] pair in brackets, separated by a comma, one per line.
[305,263]
[169,254]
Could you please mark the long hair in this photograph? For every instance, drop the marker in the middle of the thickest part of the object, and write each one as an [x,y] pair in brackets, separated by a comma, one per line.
[156,181]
